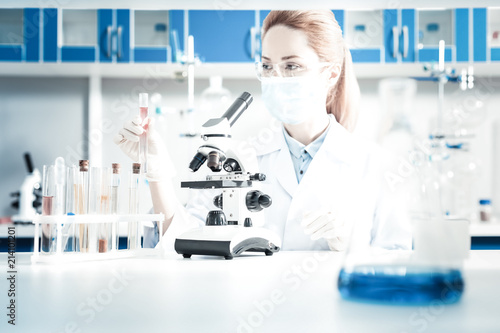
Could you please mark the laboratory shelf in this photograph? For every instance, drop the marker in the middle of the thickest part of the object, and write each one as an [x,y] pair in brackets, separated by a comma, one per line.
[484,230]
[204,70]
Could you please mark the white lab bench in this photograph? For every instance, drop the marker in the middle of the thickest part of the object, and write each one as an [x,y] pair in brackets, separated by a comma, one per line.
[288,292]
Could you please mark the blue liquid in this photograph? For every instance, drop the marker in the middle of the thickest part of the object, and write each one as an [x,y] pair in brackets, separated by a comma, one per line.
[401,285]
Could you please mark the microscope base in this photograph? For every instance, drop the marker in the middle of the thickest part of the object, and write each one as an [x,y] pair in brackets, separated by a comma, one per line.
[226,241]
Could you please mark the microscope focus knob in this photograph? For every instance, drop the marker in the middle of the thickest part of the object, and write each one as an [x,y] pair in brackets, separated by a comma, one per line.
[259,177]
[218,201]
[216,217]
[248,223]
[257,201]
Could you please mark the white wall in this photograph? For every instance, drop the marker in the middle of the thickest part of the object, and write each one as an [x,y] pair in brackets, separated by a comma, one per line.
[46,117]
[43,116]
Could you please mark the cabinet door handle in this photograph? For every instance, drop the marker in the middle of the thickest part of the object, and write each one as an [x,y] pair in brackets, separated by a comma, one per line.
[406,41]
[108,34]
[395,42]
[119,41]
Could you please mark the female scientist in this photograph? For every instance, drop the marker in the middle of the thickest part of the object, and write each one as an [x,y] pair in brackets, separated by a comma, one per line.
[322,179]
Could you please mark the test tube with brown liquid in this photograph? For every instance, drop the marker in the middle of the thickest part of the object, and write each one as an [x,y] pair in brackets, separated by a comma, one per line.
[82,202]
[104,232]
[115,187]
[48,192]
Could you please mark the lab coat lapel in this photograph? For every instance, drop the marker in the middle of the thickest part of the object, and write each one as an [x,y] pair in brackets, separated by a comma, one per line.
[331,171]
[284,170]
[283,164]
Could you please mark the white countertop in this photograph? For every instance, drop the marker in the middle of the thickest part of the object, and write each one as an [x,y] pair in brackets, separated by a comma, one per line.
[206,294]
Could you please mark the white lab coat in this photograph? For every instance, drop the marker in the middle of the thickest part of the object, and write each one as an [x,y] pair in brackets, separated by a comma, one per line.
[345,177]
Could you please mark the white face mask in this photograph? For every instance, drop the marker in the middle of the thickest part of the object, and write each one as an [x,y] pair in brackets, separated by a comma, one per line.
[293,100]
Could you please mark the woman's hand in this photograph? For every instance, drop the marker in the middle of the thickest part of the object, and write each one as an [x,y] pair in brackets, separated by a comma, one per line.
[160,166]
[327,225]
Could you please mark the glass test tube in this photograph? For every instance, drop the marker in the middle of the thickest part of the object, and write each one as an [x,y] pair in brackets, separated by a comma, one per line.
[115,186]
[143,144]
[82,195]
[48,193]
[69,231]
[59,206]
[104,229]
[133,229]
[94,208]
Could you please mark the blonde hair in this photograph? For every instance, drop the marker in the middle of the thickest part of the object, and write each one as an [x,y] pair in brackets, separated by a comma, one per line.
[324,36]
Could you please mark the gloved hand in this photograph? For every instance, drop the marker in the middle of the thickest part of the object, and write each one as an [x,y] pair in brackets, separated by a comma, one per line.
[327,225]
[159,164]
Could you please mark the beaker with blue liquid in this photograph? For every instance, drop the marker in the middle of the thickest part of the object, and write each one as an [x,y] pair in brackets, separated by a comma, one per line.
[424,263]
[400,282]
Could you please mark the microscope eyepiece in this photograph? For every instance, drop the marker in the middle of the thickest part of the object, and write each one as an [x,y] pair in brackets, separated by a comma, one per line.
[238,107]
[197,162]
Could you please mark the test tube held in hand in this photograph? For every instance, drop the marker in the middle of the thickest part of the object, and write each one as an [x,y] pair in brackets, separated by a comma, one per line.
[133,230]
[143,144]
[115,186]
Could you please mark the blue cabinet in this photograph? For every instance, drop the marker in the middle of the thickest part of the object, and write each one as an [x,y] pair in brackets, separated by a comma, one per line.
[72,35]
[20,34]
[109,35]
[158,35]
[363,34]
[222,36]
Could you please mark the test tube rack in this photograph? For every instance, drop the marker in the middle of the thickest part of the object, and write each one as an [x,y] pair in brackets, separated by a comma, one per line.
[60,256]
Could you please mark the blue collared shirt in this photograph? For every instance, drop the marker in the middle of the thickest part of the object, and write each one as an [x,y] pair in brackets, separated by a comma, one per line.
[302,155]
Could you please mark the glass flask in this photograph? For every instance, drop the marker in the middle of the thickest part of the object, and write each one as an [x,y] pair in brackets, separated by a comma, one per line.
[422,262]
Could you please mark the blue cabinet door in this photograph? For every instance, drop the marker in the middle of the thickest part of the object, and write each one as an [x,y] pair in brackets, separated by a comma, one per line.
[462,34]
[106,48]
[160,54]
[114,35]
[32,34]
[122,35]
[391,35]
[26,46]
[50,34]
[105,34]
[479,34]
[222,36]
[91,53]
[434,26]
[407,36]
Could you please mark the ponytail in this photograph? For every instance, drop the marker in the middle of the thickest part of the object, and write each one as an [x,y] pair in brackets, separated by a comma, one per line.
[343,98]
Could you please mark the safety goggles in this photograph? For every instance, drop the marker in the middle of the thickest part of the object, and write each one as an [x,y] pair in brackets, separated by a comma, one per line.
[286,69]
